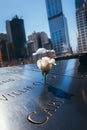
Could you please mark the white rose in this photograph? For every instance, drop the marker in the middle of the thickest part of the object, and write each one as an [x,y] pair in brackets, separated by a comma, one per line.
[45,64]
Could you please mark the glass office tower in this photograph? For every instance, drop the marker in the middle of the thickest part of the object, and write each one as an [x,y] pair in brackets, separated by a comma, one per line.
[58,26]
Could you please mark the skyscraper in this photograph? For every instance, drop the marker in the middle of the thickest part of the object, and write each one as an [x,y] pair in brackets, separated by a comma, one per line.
[40,40]
[79,4]
[81,19]
[58,26]
[16,34]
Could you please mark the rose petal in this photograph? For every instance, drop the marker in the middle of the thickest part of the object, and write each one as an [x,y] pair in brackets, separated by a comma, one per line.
[52,61]
[39,63]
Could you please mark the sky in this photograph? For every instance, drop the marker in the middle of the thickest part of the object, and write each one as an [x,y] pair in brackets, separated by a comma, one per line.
[35,16]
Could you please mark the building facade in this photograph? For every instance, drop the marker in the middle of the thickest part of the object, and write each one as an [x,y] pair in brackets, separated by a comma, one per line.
[7,50]
[58,26]
[81,19]
[16,33]
[35,38]
[79,4]
[40,40]
[3,47]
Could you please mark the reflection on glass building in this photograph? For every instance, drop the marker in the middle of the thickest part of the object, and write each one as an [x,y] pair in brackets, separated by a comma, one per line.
[58,26]
[16,34]
[81,19]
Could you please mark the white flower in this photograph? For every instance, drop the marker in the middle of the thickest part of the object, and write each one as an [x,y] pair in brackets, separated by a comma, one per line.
[40,51]
[45,64]
[44,52]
